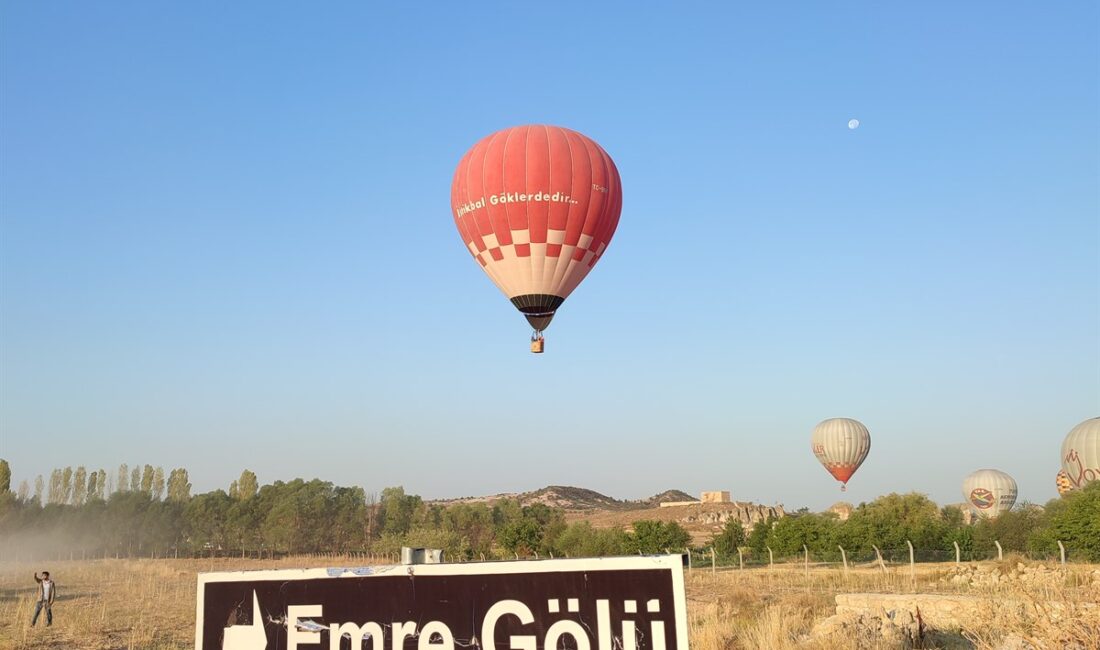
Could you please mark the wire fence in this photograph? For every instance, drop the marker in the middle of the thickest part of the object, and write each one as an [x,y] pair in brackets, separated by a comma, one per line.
[841,558]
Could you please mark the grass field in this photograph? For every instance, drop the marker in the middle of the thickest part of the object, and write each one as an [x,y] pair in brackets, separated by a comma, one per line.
[150,604]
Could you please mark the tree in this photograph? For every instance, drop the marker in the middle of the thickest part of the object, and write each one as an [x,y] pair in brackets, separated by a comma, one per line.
[207,516]
[655,536]
[101,485]
[179,489]
[247,485]
[93,486]
[1012,529]
[158,483]
[758,538]
[24,491]
[729,540]
[582,540]
[80,486]
[66,485]
[890,520]
[5,476]
[816,532]
[398,509]
[522,537]
[147,480]
[1075,520]
[234,493]
[135,480]
[123,477]
[54,494]
[39,486]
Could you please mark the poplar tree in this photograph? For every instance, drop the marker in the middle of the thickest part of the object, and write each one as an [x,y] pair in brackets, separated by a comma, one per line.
[80,486]
[147,480]
[179,489]
[93,486]
[66,485]
[247,486]
[158,483]
[5,476]
[53,496]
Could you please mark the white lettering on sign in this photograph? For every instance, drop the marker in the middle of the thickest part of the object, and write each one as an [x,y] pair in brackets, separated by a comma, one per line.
[303,628]
[357,633]
[294,633]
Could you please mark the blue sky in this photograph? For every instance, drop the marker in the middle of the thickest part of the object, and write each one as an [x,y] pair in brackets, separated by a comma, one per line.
[226,242]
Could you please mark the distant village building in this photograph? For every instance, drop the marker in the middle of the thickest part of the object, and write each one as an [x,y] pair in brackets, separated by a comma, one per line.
[716,497]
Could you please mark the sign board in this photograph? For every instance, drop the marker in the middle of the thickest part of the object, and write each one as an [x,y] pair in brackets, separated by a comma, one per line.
[621,603]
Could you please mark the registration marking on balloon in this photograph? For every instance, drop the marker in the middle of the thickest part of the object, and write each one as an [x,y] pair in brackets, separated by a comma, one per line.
[982,498]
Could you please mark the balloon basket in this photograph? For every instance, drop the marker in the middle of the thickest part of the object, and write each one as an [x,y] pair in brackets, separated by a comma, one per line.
[538,345]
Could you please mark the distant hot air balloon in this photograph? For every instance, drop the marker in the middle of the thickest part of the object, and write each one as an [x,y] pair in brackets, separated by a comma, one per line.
[989,492]
[1081,453]
[1062,482]
[536,206]
[841,444]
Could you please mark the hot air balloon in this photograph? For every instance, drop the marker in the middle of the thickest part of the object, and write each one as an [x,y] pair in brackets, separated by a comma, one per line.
[536,206]
[989,492]
[1062,482]
[1081,453]
[841,444]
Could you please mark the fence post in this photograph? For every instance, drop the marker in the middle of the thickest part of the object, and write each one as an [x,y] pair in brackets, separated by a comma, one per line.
[1062,551]
[1000,553]
[740,559]
[688,551]
[878,554]
[771,558]
[912,562]
[712,560]
[844,559]
[806,559]
[958,554]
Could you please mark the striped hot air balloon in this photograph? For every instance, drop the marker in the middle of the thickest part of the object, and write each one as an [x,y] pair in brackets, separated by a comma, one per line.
[1062,482]
[989,492]
[841,444]
[536,207]
[1081,453]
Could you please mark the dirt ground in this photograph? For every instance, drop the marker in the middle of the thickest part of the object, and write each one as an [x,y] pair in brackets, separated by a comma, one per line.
[107,604]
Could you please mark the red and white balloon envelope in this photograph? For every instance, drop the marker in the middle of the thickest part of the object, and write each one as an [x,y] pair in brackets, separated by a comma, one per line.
[536,207]
[841,445]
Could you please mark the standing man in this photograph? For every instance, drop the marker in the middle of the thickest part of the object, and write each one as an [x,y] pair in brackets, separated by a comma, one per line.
[46,593]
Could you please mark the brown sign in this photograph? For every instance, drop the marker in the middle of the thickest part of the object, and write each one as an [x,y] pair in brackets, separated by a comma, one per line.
[626,603]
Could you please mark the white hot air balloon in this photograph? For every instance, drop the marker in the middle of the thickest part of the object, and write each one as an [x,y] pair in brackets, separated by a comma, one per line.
[1081,453]
[841,444]
[989,492]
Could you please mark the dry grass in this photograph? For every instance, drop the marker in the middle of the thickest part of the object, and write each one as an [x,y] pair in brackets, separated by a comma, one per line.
[108,604]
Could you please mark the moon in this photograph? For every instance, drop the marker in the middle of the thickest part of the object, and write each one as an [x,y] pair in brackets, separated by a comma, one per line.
[853,124]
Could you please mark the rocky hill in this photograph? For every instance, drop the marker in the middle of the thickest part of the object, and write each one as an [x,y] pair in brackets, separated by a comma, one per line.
[575,499]
[702,520]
